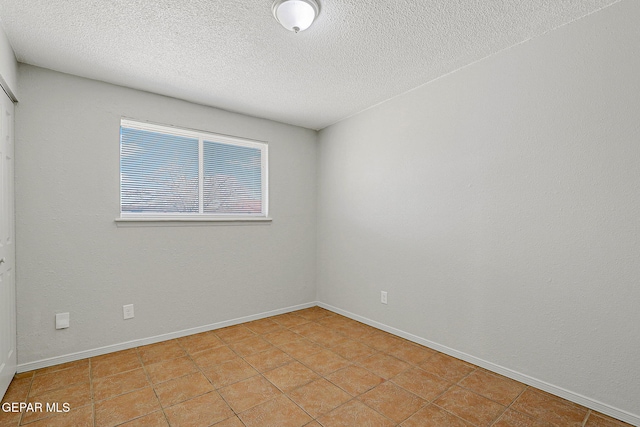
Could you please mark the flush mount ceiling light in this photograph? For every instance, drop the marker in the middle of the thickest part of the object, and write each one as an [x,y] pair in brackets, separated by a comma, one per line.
[295,15]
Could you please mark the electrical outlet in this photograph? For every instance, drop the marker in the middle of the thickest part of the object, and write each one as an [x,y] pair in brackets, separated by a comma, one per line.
[127,311]
[62,320]
[383,297]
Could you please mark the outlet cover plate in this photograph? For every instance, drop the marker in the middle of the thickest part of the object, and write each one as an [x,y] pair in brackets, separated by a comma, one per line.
[127,311]
[383,297]
[62,320]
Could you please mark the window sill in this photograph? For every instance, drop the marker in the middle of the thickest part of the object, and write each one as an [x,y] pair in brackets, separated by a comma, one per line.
[175,221]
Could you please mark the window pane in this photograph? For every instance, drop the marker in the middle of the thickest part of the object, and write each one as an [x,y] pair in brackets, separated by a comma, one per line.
[232,179]
[158,172]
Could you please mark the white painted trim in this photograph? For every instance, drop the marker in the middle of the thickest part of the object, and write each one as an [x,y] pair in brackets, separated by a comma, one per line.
[193,133]
[533,382]
[187,220]
[202,137]
[7,90]
[38,364]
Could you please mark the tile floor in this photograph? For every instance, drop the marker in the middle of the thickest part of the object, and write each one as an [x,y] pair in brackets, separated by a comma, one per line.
[306,368]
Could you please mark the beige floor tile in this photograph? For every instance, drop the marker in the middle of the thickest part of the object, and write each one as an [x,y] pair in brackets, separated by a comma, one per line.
[327,338]
[410,352]
[469,406]
[511,418]
[115,363]
[126,407]
[255,344]
[495,387]
[300,348]
[308,329]
[18,390]
[160,352]
[184,388]
[325,362]
[319,397]
[170,369]
[433,416]
[248,393]
[59,379]
[287,370]
[447,367]
[355,380]
[313,313]
[229,372]
[392,401]
[422,383]
[78,363]
[335,322]
[549,408]
[115,385]
[384,366]
[214,356]
[278,412]
[342,328]
[20,375]
[381,341]
[75,396]
[289,320]
[281,336]
[290,376]
[154,419]
[268,360]
[353,350]
[200,342]
[115,354]
[354,413]
[203,410]
[356,331]
[230,422]
[81,417]
[234,333]
[9,419]
[263,326]
[597,419]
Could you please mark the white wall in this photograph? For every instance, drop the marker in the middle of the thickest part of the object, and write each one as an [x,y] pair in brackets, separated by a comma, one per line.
[72,256]
[499,206]
[8,65]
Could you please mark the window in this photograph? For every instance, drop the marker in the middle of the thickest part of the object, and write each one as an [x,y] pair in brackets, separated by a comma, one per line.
[168,173]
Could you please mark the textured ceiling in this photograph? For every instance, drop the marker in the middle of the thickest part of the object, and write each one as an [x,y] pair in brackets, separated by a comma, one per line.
[233,55]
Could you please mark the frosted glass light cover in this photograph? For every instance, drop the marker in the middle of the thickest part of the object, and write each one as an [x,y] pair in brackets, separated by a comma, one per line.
[295,15]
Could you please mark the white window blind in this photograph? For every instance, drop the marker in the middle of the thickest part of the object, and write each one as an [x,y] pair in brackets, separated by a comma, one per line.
[172,173]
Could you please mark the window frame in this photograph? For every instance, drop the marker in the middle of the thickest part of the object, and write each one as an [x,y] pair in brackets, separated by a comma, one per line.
[158,217]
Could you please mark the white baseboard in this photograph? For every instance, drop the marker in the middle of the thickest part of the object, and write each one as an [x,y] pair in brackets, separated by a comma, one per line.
[542,385]
[533,382]
[38,364]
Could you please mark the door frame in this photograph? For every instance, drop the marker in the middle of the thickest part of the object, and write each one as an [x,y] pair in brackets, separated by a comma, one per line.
[8,345]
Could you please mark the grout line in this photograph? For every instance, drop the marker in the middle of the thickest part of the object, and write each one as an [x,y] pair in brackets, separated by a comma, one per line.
[506,407]
[144,369]
[205,376]
[511,404]
[452,414]
[346,333]
[27,397]
[93,403]
[499,416]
